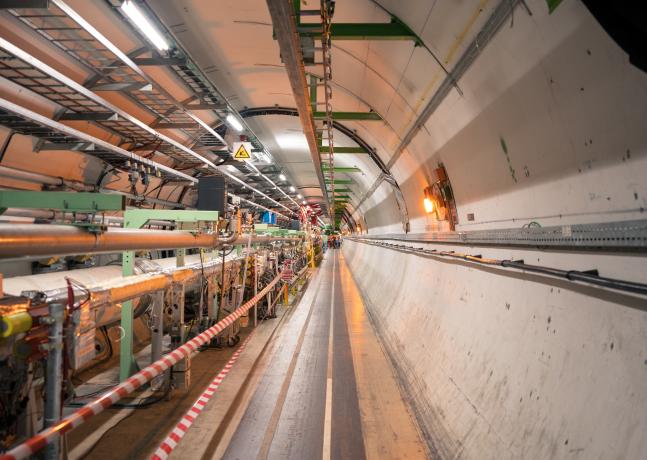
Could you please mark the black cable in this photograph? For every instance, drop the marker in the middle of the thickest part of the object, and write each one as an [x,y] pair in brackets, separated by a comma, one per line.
[571,275]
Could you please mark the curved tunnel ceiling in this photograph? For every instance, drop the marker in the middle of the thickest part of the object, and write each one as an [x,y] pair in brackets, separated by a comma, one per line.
[507,124]
[395,79]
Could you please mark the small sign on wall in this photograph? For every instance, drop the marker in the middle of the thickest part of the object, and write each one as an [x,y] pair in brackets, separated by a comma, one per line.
[242,151]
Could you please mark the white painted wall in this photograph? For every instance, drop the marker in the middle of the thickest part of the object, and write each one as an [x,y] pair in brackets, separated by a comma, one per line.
[500,365]
[571,110]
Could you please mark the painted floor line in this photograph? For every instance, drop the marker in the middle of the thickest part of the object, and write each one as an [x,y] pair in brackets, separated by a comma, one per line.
[327,438]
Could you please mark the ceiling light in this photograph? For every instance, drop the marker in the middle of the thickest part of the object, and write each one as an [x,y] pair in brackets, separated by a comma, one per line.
[137,17]
[292,141]
[304,202]
[282,176]
[292,189]
[234,122]
[299,196]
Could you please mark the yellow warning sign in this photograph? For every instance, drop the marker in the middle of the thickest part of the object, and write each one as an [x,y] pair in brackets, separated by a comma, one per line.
[241,151]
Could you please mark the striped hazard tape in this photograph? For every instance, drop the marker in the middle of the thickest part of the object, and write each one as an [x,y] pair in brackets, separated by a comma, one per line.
[54,432]
[174,437]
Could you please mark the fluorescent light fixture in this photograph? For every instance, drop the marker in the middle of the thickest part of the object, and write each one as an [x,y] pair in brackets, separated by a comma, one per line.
[137,17]
[299,196]
[292,141]
[282,176]
[234,122]
[292,189]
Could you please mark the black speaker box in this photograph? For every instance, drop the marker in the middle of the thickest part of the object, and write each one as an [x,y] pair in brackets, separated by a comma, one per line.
[212,194]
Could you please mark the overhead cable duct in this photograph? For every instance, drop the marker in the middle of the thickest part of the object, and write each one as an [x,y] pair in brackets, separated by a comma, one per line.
[282,12]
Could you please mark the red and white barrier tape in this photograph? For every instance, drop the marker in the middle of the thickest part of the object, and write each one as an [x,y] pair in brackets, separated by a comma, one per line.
[174,437]
[53,433]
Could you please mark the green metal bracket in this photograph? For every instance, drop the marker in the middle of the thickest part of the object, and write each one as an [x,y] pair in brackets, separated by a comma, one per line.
[395,30]
[552,5]
[344,169]
[338,150]
[313,92]
[349,116]
[64,201]
[137,218]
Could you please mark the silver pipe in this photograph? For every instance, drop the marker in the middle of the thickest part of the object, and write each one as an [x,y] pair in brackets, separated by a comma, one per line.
[83,217]
[38,178]
[55,181]
[46,240]
[28,240]
[54,373]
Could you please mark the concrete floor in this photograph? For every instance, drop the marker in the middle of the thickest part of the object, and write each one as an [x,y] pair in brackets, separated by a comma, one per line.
[323,390]
[313,383]
[128,433]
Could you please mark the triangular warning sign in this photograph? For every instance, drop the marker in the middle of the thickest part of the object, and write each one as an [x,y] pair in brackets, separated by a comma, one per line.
[242,153]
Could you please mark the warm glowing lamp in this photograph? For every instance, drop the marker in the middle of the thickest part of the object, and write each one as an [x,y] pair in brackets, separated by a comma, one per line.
[429,205]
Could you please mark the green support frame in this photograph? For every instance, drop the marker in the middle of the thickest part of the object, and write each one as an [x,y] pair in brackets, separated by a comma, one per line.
[137,218]
[324,149]
[85,202]
[394,30]
[372,116]
[341,181]
[344,169]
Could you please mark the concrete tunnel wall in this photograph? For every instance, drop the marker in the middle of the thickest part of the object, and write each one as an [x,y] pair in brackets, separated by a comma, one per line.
[550,128]
[507,365]
[501,365]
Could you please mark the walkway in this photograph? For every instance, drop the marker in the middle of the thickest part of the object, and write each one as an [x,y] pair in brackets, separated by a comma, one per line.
[326,390]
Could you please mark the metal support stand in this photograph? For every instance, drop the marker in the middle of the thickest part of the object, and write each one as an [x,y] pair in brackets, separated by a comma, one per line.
[255,310]
[137,218]
[179,332]
[54,374]
[212,299]
[157,326]
[179,257]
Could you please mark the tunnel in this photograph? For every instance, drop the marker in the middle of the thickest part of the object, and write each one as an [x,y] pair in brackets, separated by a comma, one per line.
[323,229]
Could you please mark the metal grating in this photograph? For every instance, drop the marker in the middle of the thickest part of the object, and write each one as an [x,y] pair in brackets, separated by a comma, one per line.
[57,138]
[621,235]
[110,73]
[114,71]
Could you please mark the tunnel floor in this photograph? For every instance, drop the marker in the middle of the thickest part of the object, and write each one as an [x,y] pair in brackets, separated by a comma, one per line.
[301,390]
[327,390]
